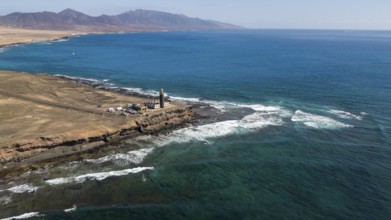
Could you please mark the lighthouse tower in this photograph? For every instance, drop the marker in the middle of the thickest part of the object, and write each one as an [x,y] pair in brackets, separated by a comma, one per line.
[161,98]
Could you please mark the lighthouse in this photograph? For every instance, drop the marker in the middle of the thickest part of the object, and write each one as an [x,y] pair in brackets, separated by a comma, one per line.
[161,98]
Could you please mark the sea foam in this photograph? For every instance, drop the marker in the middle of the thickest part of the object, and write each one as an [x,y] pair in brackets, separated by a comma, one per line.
[346,115]
[71,209]
[24,216]
[141,91]
[203,133]
[96,176]
[317,121]
[131,157]
[26,188]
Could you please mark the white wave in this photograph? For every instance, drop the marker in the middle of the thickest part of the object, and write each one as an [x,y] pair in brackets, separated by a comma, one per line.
[224,105]
[262,108]
[142,91]
[74,207]
[134,157]
[317,121]
[24,216]
[346,115]
[184,99]
[78,78]
[96,176]
[60,40]
[221,105]
[250,123]
[23,188]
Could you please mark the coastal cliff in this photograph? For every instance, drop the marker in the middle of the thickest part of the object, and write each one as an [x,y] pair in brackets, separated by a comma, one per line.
[47,117]
[47,148]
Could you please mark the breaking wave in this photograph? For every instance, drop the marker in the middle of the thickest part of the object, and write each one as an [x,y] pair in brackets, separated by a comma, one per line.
[131,157]
[24,216]
[346,115]
[317,121]
[71,209]
[90,80]
[26,188]
[96,176]
[141,91]
[203,133]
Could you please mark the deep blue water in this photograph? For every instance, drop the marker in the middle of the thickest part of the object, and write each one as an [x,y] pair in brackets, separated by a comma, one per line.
[304,129]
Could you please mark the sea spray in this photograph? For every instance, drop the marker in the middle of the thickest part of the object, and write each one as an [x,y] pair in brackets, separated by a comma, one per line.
[317,121]
[96,176]
[25,216]
[131,157]
[25,188]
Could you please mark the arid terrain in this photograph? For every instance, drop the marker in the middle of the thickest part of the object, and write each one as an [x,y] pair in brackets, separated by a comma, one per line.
[12,35]
[42,112]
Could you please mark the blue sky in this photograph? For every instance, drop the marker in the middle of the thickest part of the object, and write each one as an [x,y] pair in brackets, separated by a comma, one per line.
[308,14]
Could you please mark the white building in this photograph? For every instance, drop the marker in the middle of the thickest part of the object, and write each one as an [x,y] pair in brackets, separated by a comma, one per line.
[111,110]
[152,105]
[155,104]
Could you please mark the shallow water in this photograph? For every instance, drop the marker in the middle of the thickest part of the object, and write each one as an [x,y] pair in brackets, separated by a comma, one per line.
[302,130]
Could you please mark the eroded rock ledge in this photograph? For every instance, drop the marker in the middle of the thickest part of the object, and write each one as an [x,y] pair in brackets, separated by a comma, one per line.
[49,119]
[49,148]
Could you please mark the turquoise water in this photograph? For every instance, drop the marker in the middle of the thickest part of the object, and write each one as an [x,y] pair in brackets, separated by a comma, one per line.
[303,128]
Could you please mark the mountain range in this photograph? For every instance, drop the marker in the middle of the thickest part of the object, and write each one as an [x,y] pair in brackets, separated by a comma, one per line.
[137,20]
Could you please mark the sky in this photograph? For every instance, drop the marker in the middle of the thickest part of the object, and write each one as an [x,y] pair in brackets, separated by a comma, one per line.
[289,14]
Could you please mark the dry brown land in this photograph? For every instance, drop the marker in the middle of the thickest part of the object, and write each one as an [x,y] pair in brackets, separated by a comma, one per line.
[11,35]
[37,111]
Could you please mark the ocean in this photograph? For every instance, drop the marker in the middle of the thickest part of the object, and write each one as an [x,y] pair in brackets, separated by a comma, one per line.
[301,128]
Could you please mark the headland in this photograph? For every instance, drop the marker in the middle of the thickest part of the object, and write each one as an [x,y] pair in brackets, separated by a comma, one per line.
[45,117]
[10,36]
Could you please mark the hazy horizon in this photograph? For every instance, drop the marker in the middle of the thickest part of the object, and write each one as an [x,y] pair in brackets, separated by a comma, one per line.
[262,14]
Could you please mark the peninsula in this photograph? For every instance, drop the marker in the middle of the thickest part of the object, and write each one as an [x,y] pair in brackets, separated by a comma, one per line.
[44,117]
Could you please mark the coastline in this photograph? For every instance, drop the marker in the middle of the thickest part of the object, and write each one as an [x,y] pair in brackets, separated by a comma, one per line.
[10,36]
[81,128]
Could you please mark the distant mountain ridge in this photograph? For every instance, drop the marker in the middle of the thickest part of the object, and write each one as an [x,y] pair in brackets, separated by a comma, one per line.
[137,20]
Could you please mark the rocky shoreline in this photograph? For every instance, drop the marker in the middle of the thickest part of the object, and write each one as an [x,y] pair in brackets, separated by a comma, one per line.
[47,149]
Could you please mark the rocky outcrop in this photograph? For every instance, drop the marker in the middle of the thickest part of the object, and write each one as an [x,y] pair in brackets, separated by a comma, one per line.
[164,121]
[47,148]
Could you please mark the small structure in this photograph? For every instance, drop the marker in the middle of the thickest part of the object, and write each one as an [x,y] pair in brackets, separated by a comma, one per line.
[136,107]
[161,96]
[120,109]
[157,103]
[152,104]
[111,110]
